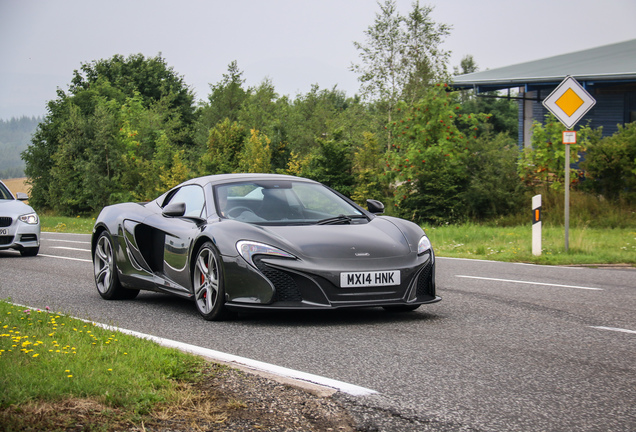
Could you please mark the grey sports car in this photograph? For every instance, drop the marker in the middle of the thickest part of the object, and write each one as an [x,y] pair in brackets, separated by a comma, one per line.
[19,223]
[241,242]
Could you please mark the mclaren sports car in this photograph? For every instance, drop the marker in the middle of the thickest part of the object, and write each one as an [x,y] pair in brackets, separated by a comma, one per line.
[252,242]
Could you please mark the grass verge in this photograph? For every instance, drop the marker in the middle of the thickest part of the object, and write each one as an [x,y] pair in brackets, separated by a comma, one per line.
[587,246]
[77,225]
[55,370]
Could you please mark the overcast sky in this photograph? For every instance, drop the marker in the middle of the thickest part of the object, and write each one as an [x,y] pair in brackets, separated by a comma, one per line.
[294,43]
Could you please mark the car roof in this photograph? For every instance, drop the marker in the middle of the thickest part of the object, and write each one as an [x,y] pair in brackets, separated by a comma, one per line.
[230,178]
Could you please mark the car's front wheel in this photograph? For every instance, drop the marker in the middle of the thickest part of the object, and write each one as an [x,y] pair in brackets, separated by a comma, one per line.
[106,278]
[207,283]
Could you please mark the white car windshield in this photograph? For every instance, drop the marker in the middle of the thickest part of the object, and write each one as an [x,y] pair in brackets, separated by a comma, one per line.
[283,202]
[4,193]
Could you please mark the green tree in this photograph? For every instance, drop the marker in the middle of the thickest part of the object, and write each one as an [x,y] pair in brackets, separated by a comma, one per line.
[225,144]
[493,188]
[428,158]
[225,101]
[151,77]
[98,143]
[401,56]
[256,156]
[367,171]
[542,166]
[466,65]
[331,164]
[610,165]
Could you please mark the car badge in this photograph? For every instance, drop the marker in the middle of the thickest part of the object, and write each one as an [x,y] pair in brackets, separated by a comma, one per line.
[361,254]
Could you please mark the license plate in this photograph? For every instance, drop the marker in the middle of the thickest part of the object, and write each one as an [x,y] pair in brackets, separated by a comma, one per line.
[4,231]
[366,279]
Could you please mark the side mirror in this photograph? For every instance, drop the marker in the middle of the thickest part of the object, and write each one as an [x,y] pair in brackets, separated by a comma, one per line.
[174,210]
[375,206]
[22,196]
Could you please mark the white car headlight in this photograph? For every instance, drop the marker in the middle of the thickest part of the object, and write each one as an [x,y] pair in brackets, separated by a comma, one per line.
[31,218]
[423,245]
[248,249]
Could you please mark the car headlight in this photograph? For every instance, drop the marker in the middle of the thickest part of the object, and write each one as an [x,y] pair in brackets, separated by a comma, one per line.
[423,245]
[31,218]
[248,249]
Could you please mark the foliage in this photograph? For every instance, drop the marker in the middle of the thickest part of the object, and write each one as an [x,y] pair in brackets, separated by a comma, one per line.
[400,58]
[127,130]
[493,188]
[427,161]
[401,55]
[257,154]
[119,134]
[224,145]
[542,166]
[367,169]
[610,165]
[331,164]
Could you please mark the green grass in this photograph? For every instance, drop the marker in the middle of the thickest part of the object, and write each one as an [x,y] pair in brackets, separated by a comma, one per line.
[514,244]
[79,225]
[49,358]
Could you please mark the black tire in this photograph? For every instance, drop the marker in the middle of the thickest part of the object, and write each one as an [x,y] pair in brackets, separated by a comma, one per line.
[207,284]
[30,251]
[105,270]
[401,308]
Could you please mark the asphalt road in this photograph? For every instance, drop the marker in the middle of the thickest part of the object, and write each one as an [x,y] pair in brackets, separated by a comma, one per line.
[510,347]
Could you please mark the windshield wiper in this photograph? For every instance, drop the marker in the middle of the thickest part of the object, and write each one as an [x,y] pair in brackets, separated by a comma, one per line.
[340,219]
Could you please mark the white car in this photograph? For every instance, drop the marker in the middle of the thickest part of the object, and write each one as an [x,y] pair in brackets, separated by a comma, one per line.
[19,223]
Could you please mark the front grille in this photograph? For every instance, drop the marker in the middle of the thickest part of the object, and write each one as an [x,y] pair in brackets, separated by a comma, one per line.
[5,221]
[5,240]
[425,282]
[286,288]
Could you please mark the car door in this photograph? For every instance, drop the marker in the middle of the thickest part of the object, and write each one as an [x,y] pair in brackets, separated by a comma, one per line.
[178,232]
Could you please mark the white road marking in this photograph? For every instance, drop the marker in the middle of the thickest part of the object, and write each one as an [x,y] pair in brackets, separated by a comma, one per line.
[531,283]
[614,329]
[66,258]
[505,262]
[344,387]
[67,241]
[70,248]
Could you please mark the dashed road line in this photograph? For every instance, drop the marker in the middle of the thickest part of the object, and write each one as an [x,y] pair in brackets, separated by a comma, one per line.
[530,283]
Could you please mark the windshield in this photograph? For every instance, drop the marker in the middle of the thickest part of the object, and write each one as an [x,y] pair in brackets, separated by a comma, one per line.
[4,192]
[283,202]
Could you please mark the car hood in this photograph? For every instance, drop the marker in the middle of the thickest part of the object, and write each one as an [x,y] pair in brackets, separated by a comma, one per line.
[14,208]
[377,239]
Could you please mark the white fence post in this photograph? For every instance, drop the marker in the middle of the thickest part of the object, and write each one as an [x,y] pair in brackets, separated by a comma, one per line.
[536,225]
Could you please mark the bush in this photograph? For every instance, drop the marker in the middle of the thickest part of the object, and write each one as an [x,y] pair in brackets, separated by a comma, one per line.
[610,166]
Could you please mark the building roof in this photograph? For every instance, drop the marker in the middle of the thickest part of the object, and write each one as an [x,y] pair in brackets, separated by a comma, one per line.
[608,64]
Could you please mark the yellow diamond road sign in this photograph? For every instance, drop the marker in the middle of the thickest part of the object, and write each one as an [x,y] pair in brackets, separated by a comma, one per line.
[569,102]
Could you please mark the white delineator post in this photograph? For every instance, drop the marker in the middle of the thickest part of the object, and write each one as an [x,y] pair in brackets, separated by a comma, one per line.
[536,225]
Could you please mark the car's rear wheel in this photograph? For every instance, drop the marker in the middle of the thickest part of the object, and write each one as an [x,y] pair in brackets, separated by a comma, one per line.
[106,278]
[207,284]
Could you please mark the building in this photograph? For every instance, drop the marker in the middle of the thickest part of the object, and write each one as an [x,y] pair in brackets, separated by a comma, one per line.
[608,73]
